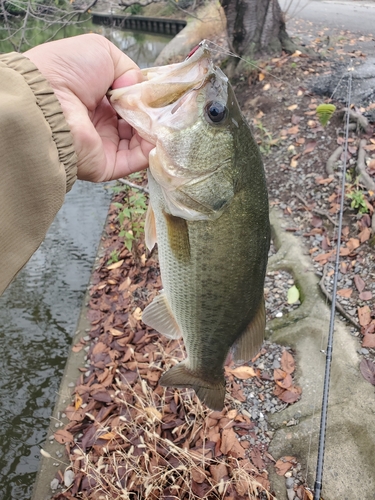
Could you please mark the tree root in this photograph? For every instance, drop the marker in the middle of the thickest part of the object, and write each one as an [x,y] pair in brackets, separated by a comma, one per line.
[364,177]
[333,159]
[358,118]
[338,307]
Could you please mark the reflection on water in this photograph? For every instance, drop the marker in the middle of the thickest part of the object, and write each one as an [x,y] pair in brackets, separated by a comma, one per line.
[39,311]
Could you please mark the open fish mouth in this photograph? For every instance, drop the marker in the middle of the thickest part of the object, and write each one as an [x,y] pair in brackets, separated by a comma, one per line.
[156,101]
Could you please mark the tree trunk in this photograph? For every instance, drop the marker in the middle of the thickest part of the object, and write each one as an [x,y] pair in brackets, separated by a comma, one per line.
[255,27]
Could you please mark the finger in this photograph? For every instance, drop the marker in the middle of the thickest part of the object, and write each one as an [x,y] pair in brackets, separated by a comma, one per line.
[129,161]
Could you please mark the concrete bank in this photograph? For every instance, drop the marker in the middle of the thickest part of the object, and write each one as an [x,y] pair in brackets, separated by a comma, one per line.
[350,443]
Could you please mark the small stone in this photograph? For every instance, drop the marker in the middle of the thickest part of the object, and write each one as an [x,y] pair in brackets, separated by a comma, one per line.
[290,493]
[71,384]
[289,482]
[279,315]
[68,478]
[364,351]
[54,484]
[276,364]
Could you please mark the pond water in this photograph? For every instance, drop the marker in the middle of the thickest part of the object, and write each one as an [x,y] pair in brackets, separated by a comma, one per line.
[39,311]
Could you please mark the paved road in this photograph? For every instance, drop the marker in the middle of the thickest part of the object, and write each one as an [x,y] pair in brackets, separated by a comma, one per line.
[356,16]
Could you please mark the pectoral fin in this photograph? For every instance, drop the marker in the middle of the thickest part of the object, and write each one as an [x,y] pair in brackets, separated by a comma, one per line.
[212,395]
[159,316]
[150,228]
[252,338]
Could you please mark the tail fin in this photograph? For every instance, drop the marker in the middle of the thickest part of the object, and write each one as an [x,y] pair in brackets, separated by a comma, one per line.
[210,394]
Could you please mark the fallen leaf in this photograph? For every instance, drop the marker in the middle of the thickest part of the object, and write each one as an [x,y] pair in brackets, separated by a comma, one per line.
[287,362]
[352,244]
[365,295]
[359,283]
[293,130]
[321,180]
[293,294]
[284,464]
[364,315]
[282,379]
[345,292]
[78,402]
[291,395]
[243,372]
[368,340]
[114,332]
[367,368]
[115,265]
[293,107]
[365,234]
[137,314]
[310,146]
[63,436]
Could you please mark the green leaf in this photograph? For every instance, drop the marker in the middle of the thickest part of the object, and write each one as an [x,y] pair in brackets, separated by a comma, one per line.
[293,294]
[324,112]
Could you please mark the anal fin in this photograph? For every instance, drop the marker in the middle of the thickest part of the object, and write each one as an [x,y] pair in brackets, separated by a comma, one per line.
[212,395]
[158,315]
[247,346]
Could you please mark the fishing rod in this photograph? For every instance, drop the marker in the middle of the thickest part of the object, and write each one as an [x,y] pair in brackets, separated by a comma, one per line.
[324,412]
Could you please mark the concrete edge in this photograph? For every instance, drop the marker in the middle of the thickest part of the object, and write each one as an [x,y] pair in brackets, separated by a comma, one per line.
[49,467]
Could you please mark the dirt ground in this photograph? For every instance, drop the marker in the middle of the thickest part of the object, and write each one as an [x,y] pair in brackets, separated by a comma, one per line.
[126,433]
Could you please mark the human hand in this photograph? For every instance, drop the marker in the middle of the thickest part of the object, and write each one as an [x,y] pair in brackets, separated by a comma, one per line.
[80,70]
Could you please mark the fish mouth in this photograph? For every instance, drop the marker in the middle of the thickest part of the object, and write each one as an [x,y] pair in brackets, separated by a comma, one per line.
[164,90]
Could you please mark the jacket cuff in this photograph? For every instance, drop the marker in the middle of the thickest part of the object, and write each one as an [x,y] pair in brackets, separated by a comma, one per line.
[51,109]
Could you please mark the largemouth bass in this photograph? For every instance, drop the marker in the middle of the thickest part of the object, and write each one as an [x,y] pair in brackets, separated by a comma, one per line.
[208,212]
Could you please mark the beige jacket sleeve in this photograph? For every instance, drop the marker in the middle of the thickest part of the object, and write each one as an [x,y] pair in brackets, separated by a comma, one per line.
[37,162]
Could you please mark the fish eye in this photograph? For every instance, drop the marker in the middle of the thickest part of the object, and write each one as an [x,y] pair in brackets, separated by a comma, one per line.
[216,111]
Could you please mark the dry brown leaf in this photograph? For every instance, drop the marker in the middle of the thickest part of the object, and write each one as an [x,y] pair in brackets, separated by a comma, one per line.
[321,180]
[367,368]
[287,362]
[63,436]
[218,472]
[364,315]
[137,314]
[78,402]
[365,295]
[282,379]
[359,283]
[352,244]
[198,474]
[345,292]
[310,146]
[115,265]
[284,464]
[115,332]
[365,234]
[291,395]
[293,130]
[368,340]
[243,372]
